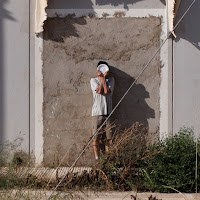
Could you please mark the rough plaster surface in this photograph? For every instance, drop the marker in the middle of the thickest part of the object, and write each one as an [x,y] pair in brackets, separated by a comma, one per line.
[72,48]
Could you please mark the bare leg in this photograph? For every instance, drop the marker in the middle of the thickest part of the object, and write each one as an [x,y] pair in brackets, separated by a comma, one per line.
[108,144]
[96,148]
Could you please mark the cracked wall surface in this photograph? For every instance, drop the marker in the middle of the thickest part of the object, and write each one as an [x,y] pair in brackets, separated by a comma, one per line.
[72,49]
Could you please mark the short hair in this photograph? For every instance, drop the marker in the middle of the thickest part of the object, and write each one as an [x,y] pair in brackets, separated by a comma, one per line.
[102,62]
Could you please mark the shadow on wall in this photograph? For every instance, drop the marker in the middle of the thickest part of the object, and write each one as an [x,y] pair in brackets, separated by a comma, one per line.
[73,4]
[52,28]
[189,28]
[163,2]
[4,15]
[117,2]
[88,4]
[134,107]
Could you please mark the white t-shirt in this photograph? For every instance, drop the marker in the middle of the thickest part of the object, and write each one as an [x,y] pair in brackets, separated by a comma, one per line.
[102,104]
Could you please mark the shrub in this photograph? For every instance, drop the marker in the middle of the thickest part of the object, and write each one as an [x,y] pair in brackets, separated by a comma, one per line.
[128,165]
[174,166]
[20,159]
[121,165]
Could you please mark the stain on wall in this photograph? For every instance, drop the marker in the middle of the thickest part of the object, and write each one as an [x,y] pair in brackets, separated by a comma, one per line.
[72,49]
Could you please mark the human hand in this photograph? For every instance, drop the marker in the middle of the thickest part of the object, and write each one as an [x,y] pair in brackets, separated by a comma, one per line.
[106,74]
[99,73]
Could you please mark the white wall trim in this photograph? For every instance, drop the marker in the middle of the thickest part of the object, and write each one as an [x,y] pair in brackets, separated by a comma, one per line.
[39,139]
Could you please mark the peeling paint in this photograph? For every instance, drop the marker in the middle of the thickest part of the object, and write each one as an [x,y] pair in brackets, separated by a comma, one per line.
[171,7]
[40,15]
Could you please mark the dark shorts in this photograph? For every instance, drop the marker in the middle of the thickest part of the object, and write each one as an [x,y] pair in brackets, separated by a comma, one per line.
[97,121]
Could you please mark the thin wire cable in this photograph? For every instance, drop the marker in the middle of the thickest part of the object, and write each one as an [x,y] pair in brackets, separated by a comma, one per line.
[121,100]
[29,75]
[196,167]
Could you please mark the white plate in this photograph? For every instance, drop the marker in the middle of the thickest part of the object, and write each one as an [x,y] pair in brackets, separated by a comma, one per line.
[103,68]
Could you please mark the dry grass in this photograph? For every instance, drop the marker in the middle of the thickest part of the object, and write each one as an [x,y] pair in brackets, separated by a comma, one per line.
[120,169]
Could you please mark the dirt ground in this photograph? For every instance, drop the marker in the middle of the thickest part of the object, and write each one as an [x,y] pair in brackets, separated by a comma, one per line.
[87,195]
[72,49]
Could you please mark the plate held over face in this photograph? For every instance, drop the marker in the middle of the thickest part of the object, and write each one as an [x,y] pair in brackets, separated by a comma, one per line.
[103,68]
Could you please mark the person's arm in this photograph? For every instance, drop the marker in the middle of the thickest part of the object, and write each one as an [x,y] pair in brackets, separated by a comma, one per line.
[99,89]
[105,86]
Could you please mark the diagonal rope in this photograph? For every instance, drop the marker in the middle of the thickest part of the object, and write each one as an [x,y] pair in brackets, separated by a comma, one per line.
[196,167]
[120,100]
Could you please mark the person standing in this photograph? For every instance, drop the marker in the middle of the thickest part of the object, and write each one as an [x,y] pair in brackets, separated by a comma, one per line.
[102,88]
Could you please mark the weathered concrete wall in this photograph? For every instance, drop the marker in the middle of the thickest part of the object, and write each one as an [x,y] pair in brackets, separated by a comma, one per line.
[61,8]
[14,73]
[72,49]
[186,68]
